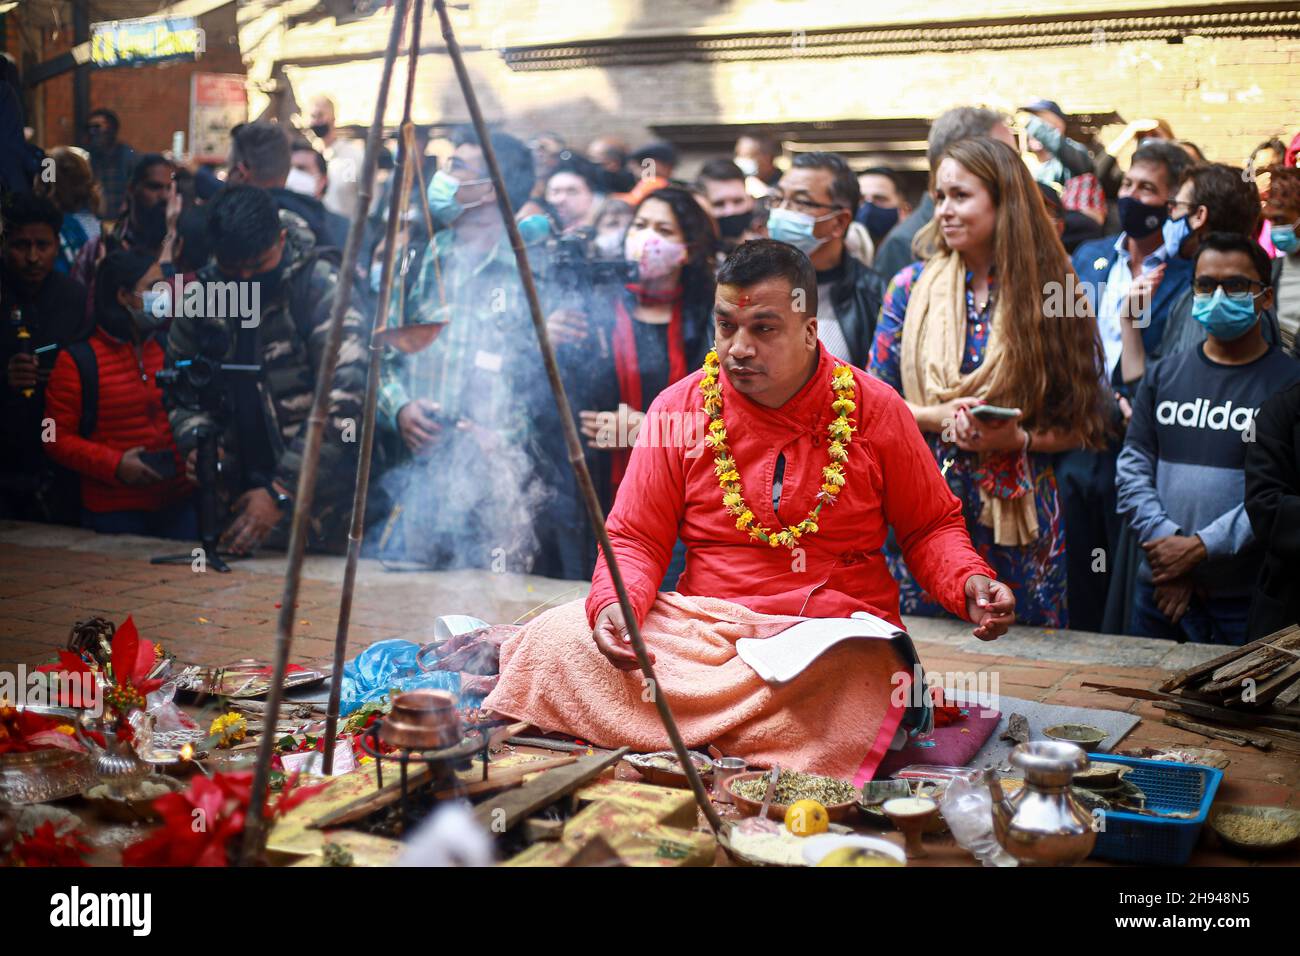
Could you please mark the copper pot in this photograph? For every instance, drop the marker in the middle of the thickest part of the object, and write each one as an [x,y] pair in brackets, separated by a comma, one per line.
[422,720]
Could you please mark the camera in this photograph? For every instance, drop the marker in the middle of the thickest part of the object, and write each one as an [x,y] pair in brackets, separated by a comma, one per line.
[570,266]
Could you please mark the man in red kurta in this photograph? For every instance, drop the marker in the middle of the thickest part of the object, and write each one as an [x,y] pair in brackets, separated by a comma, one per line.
[573,671]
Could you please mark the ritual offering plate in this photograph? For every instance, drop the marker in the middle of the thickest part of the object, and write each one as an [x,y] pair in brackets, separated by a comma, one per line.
[1255,830]
[762,848]
[843,850]
[243,678]
[664,769]
[131,804]
[37,776]
[839,797]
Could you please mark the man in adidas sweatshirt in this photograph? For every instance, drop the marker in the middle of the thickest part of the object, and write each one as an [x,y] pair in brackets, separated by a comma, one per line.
[1180,477]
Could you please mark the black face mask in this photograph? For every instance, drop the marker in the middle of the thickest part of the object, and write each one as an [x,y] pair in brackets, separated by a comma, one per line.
[1140,220]
[734,226]
[320,129]
[877,219]
[98,139]
[149,224]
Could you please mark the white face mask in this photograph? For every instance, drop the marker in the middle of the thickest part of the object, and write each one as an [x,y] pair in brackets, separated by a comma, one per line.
[301,181]
[747,166]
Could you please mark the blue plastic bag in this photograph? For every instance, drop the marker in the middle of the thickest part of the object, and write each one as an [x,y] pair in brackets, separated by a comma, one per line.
[388,666]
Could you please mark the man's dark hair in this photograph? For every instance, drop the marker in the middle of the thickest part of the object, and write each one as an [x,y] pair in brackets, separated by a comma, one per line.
[196,244]
[26,209]
[890,174]
[1231,200]
[242,223]
[1161,152]
[1236,242]
[109,116]
[122,269]
[760,259]
[264,149]
[146,162]
[514,158]
[581,167]
[720,171]
[845,190]
[302,146]
[960,122]
[1274,146]
[1052,200]
[767,144]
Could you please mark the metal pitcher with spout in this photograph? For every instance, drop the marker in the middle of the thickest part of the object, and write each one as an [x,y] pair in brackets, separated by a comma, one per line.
[1043,823]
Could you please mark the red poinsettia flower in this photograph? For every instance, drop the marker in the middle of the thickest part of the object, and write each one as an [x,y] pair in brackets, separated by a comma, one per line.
[200,822]
[22,731]
[131,661]
[44,847]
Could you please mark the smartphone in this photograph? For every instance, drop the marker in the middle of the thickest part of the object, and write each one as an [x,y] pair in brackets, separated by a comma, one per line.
[163,462]
[993,413]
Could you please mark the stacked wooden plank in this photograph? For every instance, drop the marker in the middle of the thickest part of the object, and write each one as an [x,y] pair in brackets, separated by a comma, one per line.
[1249,695]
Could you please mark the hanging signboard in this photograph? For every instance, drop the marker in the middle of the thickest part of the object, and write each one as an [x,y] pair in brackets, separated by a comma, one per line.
[218,103]
[145,40]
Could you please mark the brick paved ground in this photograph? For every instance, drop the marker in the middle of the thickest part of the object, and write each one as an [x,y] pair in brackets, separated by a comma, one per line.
[50,578]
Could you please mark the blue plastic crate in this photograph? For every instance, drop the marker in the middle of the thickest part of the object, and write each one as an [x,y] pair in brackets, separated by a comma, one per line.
[1132,838]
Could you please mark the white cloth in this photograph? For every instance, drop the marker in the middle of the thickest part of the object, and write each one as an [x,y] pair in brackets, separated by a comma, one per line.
[1118,283]
[828,325]
[344,160]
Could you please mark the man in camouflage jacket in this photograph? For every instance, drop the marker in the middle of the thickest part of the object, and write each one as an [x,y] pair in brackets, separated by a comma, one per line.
[267,300]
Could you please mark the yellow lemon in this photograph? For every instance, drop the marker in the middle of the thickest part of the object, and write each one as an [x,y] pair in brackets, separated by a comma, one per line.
[807,818]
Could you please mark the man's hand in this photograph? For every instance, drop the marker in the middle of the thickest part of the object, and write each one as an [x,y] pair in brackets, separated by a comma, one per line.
[192,464]
[132,470]
[612,640]
[1173,599]
[256,514]
[418,425]
[567,326]
[991,605]
[1141,294]
[21,371]
[1173,557]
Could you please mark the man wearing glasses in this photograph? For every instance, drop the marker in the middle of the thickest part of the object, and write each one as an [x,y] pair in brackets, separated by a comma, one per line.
[1180,477]
[812,208]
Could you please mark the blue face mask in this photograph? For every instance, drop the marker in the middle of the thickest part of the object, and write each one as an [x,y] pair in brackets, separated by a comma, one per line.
[794,229]
[1284,238]
[443,205]
[1174,232]
[1225,317]
[534,228]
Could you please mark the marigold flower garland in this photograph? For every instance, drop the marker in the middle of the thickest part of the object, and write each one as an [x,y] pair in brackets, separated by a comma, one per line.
[839,431]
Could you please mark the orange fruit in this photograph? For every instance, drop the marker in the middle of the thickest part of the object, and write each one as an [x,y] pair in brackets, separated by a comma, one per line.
[807,818]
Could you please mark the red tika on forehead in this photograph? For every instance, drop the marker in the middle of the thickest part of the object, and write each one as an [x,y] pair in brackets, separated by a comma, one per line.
[744,300]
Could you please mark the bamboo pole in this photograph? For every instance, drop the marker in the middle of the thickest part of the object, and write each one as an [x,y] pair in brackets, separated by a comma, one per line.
[574,446]
[396,207]
[254,828]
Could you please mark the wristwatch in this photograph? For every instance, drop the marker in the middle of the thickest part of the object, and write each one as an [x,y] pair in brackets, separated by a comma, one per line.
[282,501]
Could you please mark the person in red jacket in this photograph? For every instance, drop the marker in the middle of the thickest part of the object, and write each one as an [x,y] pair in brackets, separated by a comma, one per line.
[784,508]
[132,478]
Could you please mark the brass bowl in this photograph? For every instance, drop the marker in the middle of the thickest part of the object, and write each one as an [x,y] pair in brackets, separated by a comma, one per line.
[422,720]
[1085,736]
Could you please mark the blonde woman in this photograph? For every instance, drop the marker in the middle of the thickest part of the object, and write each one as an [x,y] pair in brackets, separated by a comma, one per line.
[995,317]
[76,194]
